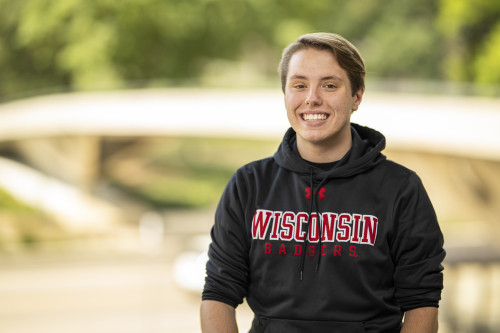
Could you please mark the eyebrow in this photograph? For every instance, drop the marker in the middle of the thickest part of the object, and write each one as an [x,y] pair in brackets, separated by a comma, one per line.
[325,78]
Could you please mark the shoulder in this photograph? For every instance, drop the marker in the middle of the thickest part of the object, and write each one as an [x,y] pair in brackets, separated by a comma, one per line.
[256,175]
[251,171]
[396,176]
[406,183]
[247,179]
[258,167]
[396,170]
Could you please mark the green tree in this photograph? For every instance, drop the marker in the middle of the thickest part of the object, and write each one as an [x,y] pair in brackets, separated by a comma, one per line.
[26,67]
[472,33]
[81,44]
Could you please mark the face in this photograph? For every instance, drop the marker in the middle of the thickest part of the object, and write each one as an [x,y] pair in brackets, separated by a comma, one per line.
[318,100]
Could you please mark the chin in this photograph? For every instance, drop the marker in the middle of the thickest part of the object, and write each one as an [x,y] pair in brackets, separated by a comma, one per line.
[315,139]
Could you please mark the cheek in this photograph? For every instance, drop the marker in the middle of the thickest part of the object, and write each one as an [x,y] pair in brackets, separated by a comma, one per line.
[292,101]
[342,105]
[291,113]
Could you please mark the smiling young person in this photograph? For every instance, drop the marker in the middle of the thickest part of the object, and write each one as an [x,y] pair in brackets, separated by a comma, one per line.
[319,103]
[327,235]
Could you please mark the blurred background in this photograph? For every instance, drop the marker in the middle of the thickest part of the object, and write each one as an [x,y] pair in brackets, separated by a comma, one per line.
[122,121]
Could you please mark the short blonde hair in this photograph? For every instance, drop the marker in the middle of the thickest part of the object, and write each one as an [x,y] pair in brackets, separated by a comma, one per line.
[346,54]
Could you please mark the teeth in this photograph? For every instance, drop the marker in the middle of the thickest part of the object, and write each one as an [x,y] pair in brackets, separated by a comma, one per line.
[314,116]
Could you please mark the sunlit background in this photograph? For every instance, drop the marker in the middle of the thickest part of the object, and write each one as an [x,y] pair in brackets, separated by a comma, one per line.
[122,121]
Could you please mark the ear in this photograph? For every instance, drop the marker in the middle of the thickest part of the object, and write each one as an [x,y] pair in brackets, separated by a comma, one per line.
[358,96]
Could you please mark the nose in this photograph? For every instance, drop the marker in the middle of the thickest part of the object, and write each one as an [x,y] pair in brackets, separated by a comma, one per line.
[313,97]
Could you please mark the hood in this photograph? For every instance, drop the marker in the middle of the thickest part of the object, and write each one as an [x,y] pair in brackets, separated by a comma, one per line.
[364,154]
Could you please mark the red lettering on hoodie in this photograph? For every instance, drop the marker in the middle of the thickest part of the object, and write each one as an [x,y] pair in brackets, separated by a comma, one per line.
[276,224]
[323,250]
[352,252]
[328,232]
[267,248]
[282,249]
[298,249]
[300,235]
[356,218]
[311,251]
[336,251]
[313,228]
[287,224]
[344,228]
[290,226]
[370,227]
[260,223]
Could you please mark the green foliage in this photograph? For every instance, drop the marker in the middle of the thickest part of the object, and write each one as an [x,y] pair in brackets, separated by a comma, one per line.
[401,42]
[487,63]
[9,204]
[89,44]
[471,29]
[182,172]
[22,225]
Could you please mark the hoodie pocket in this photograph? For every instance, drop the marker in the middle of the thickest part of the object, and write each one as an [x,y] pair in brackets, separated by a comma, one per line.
[271,325]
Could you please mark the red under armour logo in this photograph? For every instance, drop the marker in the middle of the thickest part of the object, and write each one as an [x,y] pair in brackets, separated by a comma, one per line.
[321,193]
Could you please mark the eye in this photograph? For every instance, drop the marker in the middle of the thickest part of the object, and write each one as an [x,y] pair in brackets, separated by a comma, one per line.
[330,86]
[299,86]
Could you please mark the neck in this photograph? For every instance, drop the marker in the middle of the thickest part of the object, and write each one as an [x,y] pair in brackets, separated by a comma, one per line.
[327,152]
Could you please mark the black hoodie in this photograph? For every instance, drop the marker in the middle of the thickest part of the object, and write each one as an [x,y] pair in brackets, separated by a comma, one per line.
[346,249]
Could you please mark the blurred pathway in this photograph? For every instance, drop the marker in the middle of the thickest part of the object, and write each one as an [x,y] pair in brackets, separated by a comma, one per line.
[95,293]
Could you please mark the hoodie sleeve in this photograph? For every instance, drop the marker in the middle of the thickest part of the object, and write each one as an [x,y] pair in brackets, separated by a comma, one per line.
[417,248]
[227,267]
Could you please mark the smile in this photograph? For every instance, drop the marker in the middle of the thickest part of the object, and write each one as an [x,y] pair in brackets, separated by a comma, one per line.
[314,116]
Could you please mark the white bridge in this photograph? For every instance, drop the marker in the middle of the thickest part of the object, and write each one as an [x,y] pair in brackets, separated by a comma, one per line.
[452,142]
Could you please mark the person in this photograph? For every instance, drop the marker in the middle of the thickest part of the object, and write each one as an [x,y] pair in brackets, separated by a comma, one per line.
[327,235]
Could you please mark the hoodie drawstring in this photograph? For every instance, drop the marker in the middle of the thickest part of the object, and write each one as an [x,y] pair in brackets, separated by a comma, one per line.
[319,229]
[320,233]
[306,241]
